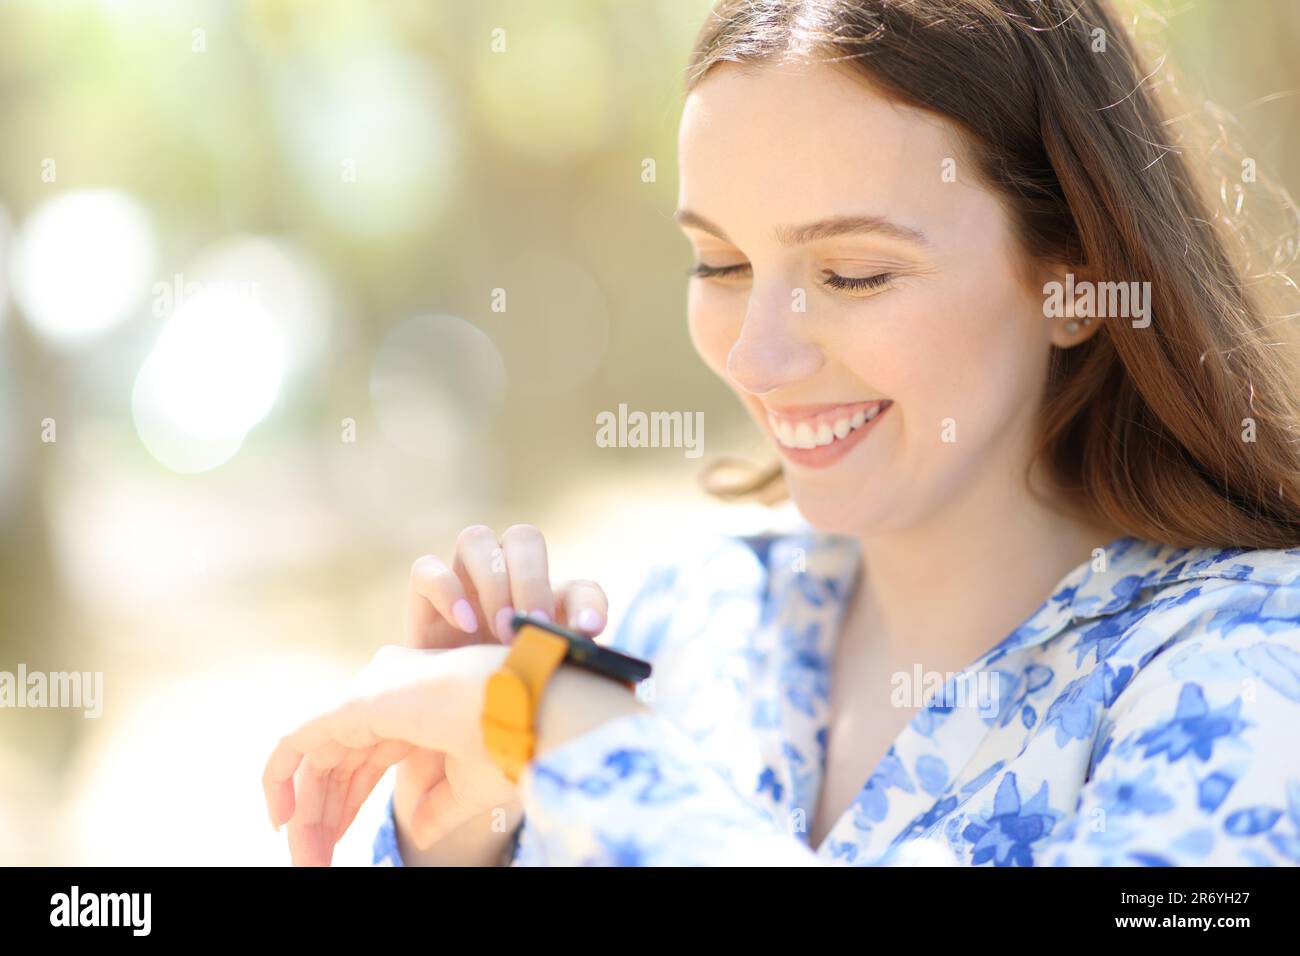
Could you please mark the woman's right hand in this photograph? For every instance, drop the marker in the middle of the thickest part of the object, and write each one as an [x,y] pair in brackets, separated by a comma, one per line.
[471,601]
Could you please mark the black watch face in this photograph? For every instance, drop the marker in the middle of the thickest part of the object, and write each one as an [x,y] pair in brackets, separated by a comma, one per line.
[584,652]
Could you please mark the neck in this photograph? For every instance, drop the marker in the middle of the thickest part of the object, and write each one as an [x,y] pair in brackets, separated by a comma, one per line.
[945,591]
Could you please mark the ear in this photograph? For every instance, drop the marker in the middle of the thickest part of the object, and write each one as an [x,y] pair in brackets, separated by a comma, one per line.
[1069,303]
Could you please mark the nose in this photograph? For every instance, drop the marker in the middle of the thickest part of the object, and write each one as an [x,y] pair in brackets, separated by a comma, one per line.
[770,351]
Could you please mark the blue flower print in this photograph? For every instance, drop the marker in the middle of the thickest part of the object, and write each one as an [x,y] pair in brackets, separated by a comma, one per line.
[1101,638]
[1007,835]
[1257,606]
[768,780]
[1213,791]
[1288,844]
[871,805]
[1076,710]
[1035,678]
[805,672]
[1120,797]
[1251,820]
[1194,727]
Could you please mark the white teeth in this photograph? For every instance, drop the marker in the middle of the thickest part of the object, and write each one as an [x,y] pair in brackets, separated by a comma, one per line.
[803,435]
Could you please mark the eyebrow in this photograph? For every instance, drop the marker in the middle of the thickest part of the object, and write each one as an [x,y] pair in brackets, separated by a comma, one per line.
[813,231]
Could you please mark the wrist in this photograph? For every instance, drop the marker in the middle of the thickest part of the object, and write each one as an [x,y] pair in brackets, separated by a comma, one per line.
[577,701]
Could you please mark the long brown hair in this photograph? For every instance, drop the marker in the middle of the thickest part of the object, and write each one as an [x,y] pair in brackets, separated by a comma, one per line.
[1147,429]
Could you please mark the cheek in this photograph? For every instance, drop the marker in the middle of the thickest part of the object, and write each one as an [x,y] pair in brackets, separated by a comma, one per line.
[976,356]
[714,325]
[969,349]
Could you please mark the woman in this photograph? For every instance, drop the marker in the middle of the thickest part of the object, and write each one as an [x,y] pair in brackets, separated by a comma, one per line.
[1046,608]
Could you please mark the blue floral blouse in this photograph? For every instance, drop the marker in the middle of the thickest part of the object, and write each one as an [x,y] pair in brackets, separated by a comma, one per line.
[1148,713]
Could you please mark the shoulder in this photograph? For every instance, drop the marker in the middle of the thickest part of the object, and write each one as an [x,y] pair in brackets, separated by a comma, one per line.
[1199,682]
[1208,631]
[1153,587]
[1163,633]
[1221,595]
[1276,567]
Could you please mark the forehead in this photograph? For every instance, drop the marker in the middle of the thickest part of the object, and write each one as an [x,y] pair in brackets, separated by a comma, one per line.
[799,139]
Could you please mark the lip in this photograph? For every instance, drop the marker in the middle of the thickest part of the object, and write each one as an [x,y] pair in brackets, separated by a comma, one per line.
[825,455]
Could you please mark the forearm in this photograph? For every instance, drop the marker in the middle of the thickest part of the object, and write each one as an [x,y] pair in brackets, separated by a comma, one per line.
[479,841]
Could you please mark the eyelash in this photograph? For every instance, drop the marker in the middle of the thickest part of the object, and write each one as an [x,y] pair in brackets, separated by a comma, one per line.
[834,281]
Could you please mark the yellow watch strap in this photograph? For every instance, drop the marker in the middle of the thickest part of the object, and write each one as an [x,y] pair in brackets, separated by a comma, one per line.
[513,694]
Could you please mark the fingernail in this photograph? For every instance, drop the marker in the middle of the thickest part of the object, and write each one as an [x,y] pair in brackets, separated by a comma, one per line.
[464,615]
[504,633]
[542,615]
[589,619]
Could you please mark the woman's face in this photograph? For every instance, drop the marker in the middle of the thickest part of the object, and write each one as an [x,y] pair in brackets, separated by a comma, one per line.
[909,306]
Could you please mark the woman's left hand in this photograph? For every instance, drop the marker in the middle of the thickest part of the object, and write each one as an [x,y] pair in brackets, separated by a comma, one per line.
[404,700]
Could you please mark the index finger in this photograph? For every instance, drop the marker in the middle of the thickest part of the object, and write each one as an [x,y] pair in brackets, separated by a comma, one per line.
[526,564]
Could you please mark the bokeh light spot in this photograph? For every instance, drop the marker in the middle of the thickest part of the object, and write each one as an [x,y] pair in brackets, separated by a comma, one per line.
[81,262]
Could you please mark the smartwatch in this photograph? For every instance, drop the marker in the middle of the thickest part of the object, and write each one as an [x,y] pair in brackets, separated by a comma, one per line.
[515,690]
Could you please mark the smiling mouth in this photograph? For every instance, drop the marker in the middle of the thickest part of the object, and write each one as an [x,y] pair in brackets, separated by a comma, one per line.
[826,428]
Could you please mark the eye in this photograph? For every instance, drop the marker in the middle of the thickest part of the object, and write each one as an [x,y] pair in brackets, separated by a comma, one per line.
[702,271]
[833,280]
[853,284]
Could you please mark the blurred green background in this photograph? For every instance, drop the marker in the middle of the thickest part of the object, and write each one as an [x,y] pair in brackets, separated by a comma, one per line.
[223,524]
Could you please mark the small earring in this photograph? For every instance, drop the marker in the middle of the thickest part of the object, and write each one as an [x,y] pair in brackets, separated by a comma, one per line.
[1072,326]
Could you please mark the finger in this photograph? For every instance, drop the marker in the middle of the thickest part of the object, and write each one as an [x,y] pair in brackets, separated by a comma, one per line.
[277,782]
[331,785]
[367,777]
[308,845]
[436,814]
[481,559]
[526,564]
[436,596]
[344,726]
[310,832]
[582,606]
[338,785]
